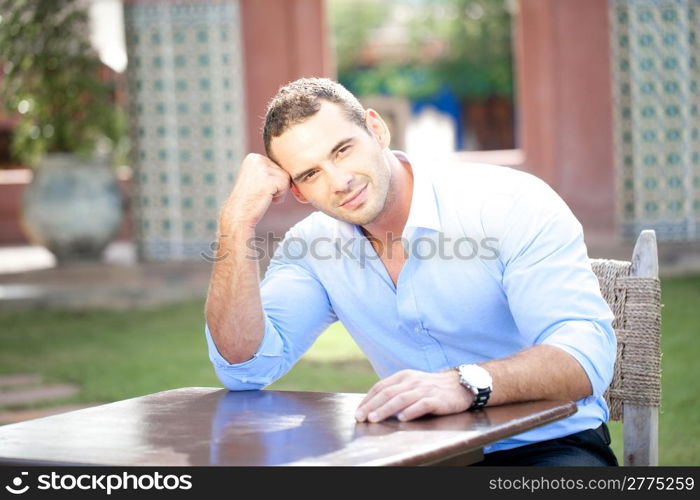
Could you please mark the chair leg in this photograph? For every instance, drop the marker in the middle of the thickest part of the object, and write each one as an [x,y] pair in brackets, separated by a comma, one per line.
[641,435]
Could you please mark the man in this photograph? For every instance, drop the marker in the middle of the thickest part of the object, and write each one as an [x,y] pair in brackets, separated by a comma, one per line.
[463,285]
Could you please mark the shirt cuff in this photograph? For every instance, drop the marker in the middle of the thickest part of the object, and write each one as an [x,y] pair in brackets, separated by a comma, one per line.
[594,349]
[255,373]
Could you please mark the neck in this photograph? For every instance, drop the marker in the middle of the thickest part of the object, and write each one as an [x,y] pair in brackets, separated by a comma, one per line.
[391,222]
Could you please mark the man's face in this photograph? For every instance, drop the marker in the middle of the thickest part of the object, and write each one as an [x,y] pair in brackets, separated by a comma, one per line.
[336,165]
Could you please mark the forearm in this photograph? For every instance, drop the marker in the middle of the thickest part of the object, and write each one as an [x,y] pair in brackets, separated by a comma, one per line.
[233,308]
[539,372]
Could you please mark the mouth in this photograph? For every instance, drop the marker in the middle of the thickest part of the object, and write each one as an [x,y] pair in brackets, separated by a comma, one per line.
[355,199]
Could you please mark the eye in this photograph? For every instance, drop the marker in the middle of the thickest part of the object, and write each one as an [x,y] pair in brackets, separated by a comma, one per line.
[342,151]
[309,176]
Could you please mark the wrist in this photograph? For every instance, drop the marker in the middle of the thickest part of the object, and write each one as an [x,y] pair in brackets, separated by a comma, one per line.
[476,380]
[237,239]
[229,224]
[465,396]
[242,210]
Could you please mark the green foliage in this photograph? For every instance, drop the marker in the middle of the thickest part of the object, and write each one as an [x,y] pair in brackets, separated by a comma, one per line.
[51,78]
[412,81]
[478,60]
[352,22]
[475,59]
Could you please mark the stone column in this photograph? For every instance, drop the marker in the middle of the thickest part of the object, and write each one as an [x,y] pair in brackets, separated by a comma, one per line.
[657,153]
[187,120]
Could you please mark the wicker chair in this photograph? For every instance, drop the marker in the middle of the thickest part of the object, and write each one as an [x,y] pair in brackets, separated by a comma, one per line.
[633,291]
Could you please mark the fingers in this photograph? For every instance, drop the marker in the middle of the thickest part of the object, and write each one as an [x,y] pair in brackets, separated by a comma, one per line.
[386,403]
[412,394]
[391,395]
[280,195]
[259,165]
[384,383]
[418,409]
[279,198]
[280,181]
[272,167]
[417,400]
[377,388]
[267,160]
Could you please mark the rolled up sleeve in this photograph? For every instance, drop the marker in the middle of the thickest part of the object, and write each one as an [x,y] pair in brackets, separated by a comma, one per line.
[255,373]
[296,309]
[552,292]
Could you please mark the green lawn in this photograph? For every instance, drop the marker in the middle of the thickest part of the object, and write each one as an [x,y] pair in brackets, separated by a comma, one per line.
[113,355]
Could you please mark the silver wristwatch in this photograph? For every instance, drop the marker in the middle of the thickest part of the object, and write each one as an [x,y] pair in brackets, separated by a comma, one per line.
[477,380]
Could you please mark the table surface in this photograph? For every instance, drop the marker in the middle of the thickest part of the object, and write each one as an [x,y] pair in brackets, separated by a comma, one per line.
[211,426]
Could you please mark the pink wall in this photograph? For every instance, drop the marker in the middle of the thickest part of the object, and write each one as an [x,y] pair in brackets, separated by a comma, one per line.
[565,103]
[12,184]
[282,40]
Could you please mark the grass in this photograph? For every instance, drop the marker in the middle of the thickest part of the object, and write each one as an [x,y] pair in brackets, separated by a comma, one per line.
[113,356]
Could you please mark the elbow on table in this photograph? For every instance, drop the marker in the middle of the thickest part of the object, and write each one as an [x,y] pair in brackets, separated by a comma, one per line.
[238,382]
[266,365]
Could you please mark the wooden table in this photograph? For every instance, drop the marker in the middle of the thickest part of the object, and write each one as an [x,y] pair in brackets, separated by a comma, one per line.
[209,426]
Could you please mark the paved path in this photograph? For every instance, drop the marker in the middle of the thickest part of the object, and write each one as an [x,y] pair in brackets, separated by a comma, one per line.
[23,396]
[101,285]
[12,417]
[20,394]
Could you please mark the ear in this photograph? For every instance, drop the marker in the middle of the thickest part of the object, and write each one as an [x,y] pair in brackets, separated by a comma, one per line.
[297,194]
[378,127]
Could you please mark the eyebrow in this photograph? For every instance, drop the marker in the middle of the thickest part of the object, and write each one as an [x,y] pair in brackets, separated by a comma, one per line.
[339,145]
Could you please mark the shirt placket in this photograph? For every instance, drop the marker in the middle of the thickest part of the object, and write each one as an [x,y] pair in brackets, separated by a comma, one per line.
[414,316]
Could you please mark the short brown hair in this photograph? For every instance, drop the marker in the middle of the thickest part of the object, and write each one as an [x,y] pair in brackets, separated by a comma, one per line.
[301,99]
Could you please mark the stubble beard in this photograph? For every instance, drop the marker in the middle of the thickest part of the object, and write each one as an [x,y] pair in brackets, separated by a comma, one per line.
[366,214]
[372,209]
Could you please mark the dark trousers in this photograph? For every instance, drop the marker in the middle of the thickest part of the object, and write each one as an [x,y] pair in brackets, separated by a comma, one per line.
[587,448]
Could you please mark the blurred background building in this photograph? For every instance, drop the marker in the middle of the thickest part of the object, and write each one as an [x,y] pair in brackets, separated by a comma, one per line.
[598,98]
[123,122]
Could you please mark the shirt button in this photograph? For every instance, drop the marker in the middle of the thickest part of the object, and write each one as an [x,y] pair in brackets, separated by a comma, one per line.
[417,329]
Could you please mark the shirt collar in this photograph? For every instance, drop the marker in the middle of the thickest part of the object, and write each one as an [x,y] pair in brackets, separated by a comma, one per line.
[424,209]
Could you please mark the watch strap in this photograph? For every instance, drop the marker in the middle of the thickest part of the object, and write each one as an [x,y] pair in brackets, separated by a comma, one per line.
[480,398]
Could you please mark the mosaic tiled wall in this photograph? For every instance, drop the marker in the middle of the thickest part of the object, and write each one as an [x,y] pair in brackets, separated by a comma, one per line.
[655,88]
[186,108]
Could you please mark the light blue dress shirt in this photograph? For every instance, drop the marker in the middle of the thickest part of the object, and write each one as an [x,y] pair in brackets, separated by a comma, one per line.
[496,264]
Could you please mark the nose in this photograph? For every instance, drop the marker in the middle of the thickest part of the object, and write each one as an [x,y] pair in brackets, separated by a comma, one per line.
[340,180]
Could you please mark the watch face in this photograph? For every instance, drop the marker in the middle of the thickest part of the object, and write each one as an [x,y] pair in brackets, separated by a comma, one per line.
[475,376]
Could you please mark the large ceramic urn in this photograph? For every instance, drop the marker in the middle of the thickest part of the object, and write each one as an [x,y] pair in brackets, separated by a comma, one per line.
[73,207]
